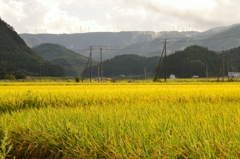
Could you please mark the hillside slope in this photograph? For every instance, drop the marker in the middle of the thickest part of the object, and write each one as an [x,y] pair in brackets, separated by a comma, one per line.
[72,62]
[194,60]
[232,60]
[15,53]
[127,65]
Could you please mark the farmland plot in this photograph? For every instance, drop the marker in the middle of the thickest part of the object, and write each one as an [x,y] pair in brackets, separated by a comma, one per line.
[191,120]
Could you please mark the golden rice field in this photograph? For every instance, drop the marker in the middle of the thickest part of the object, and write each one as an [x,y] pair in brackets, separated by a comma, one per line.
[120,120]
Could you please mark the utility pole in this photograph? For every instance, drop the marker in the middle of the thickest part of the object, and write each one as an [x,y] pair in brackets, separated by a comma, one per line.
[227,68]
[165,61]
[145,73]
[98,72]
[91,64]
[207,71]
[40,63]
[84,73]
[155,78]
[101,65]
[223,66]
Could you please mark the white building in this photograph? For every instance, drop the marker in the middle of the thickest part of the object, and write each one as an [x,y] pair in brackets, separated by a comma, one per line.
[172,76]
[233,74]
[195,76]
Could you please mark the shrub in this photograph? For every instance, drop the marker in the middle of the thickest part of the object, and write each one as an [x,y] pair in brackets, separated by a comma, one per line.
[77,79]
[9,77]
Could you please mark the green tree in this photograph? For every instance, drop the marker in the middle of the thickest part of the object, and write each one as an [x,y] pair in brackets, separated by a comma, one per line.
[9,77]
[77,79]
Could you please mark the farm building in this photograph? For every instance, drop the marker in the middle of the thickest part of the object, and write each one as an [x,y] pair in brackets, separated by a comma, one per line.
[172,76]
[233,74]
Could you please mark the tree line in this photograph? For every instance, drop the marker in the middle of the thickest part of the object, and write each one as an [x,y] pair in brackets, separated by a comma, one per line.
[194,60]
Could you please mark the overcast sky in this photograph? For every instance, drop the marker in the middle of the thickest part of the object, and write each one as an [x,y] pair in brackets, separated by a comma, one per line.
[74,16]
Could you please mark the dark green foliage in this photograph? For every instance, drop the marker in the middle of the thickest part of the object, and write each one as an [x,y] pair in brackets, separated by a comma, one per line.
[72,62]
[20,75]
[232,60]
[192,61]
[5,70]
[77,79]
[128,65]
[17,54]
[195,60]
[9,77]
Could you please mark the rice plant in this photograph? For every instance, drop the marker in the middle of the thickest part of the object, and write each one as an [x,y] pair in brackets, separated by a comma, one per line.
[191,120]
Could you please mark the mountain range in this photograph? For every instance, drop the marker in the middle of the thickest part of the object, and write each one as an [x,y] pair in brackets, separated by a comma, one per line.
[142,48]
[143,43]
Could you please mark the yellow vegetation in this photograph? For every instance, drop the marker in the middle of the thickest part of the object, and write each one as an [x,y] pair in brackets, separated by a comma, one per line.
[143,120]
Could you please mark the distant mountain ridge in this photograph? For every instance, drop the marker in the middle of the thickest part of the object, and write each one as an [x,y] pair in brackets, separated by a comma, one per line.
[141,43]
[79,41]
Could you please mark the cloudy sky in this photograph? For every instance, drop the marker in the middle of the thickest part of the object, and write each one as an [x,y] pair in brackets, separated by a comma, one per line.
[74,16]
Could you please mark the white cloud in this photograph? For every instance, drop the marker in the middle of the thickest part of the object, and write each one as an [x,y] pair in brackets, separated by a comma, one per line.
[12,9]
[70,16]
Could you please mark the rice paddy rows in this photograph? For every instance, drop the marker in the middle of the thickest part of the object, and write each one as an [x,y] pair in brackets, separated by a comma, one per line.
[121,120]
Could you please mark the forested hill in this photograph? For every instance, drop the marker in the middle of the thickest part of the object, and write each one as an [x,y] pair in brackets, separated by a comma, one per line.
[15,54]
[127,65]
[71,61]
[194,60]
[197,60]
[191,61]
[232,60]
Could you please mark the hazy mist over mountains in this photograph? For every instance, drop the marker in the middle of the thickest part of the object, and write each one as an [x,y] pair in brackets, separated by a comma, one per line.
[141,43]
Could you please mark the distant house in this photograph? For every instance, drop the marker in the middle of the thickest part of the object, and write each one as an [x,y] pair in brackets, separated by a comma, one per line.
[233,74]
[172,76]
[195,76]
